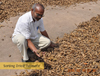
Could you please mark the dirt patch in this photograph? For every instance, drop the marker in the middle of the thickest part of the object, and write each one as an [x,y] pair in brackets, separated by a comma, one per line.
[10,8]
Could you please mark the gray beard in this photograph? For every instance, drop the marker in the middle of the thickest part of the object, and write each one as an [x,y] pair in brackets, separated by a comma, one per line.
[34,19]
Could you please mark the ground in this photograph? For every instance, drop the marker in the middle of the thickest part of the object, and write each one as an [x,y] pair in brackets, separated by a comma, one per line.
[57,22]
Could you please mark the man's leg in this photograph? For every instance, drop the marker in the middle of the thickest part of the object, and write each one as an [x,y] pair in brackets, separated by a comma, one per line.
[41,42]
[22,45]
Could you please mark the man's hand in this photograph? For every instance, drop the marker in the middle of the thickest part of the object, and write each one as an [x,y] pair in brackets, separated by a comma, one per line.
[44,33]
[37,53]
[53,45]
[32,47]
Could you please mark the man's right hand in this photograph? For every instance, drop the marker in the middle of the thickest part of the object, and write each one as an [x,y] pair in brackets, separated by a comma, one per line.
[32,47]
[37,53]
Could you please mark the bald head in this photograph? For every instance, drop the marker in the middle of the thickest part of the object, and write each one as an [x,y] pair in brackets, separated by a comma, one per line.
[37,11]
[38,6]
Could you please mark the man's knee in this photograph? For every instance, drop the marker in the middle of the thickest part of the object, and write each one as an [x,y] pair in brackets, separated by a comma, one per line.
[48,42]
[21,40]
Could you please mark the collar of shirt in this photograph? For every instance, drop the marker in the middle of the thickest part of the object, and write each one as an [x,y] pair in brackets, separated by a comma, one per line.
[31,19]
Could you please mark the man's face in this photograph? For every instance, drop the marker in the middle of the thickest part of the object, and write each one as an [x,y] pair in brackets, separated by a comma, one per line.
[38,13]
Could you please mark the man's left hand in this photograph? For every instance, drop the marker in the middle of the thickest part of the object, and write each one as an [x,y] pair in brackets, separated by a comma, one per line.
[53,45]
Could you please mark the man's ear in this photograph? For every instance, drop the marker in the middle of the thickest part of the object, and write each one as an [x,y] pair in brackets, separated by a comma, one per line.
[32,9]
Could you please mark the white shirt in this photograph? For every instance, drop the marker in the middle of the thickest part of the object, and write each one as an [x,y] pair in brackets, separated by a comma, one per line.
[27,27]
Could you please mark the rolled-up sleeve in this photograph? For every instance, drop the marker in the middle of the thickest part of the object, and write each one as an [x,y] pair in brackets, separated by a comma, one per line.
[25,30]
[41,25]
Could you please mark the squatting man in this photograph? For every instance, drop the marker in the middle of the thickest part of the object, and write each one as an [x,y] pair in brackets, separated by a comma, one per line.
[26,32]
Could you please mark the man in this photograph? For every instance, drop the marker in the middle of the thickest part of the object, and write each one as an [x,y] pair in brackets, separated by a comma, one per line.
[26,32]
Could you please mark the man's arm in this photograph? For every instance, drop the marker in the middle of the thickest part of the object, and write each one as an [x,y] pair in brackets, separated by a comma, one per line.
[44,33]
[32,47]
